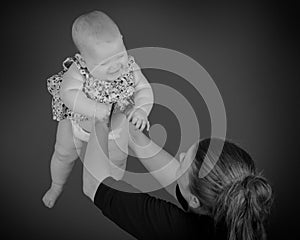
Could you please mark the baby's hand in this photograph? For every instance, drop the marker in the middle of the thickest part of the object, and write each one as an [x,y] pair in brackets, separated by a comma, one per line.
[139,118]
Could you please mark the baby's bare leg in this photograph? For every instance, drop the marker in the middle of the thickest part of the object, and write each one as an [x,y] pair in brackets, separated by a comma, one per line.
[66,151]
[118,145]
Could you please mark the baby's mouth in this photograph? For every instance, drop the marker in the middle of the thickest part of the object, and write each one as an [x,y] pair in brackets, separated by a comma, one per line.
[117,72]
[118,68]
[114,72]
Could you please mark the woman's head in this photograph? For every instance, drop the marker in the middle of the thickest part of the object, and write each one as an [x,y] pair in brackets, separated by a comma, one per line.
[230,190]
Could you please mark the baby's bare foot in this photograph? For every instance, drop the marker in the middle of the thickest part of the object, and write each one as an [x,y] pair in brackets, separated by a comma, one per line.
[52,194]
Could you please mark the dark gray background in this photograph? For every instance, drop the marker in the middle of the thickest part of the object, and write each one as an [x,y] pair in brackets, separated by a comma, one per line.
[250,50]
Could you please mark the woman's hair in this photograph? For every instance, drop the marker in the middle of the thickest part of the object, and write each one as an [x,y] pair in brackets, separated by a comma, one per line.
[230,190]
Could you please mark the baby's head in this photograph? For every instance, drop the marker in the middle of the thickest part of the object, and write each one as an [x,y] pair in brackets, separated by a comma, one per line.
[100,43]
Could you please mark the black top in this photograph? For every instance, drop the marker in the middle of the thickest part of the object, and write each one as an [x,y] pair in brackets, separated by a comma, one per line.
[146,217]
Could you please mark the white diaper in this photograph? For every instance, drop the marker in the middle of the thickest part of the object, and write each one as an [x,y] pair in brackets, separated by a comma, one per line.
[84,135]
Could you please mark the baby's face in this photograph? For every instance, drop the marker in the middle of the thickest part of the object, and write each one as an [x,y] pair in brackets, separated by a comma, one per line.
[111,60]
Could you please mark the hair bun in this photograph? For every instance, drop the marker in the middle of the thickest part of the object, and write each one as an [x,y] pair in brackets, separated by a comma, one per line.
[252,195]
[258,193]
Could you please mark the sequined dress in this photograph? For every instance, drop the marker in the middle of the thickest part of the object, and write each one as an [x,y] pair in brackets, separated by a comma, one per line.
[119,91]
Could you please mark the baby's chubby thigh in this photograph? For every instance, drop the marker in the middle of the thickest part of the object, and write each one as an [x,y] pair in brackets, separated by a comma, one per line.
[67,147]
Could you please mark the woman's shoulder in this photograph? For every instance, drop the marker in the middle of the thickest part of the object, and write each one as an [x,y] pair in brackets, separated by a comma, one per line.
[155,217]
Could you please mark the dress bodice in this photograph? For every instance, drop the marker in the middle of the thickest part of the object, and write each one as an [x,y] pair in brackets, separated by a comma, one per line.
[119,91]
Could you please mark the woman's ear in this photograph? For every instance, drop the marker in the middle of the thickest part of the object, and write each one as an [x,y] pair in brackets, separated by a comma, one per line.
[194,202]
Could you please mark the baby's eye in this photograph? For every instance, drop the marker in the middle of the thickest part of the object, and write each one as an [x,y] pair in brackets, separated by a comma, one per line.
[103,64]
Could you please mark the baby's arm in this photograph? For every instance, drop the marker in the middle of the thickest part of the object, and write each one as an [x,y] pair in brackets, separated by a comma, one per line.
[73,97]
[143,92]
[143,99]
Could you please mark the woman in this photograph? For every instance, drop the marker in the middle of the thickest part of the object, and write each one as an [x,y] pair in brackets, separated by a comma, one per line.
[231,201]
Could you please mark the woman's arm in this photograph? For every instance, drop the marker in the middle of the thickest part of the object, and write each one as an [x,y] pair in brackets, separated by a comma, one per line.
[141,215]
[96,165]
[157,161]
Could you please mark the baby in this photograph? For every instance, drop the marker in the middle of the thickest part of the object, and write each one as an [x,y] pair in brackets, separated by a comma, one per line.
[102,81]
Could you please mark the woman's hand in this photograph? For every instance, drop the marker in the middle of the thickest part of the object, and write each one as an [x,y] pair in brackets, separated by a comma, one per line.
[102,111]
